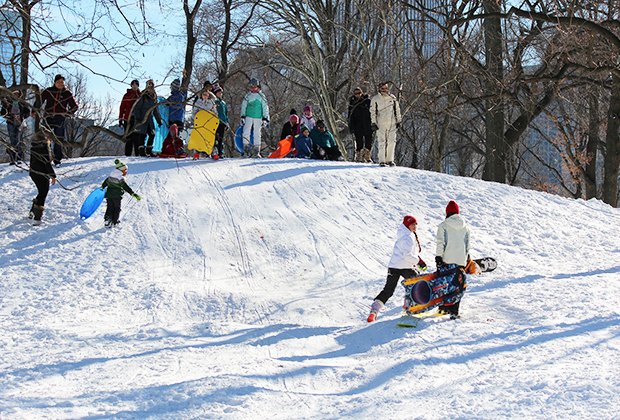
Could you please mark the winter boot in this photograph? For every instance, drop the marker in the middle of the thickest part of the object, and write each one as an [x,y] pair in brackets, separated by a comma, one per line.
[31,212]
[376,306]
[366,156]
[359,156]
[38,214]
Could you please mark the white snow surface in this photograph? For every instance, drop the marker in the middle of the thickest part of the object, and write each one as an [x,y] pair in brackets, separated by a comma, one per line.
[239,289]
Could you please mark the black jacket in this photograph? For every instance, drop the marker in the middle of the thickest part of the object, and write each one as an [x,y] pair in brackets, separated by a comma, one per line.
[40,159]
[359,114]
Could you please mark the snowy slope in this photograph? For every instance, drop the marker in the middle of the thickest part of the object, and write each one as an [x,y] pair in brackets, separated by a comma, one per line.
[240,288]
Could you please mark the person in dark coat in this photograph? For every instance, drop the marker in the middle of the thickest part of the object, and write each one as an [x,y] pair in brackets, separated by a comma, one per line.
[176,105]
[14,112]
[59,103]
[41,172]
[129,98]
[291,127]
[141,121]
[359,124]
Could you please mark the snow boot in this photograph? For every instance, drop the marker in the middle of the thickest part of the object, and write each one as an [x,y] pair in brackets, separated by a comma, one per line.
[376,306]
[359,156]
[366,156]
[38,214]
[31,212]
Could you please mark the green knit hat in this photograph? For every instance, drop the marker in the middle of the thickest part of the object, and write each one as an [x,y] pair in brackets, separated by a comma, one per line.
[120,165]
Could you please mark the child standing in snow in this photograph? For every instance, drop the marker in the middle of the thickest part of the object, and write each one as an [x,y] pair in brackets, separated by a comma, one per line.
[114,194]
[452,251]
[404,263]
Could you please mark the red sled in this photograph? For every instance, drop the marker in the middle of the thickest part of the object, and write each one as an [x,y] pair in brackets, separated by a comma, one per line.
[173,146]
[284,148]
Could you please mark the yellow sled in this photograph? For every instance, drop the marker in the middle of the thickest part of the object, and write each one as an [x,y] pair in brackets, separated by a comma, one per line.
[202,137]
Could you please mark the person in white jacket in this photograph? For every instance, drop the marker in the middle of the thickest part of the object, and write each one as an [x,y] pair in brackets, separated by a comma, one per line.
[453,238]
[385,120]
[404,262]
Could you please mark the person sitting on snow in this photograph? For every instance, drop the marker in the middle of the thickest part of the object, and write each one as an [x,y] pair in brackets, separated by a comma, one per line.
[117,186]
[303,144]
[404,263]
[325,147]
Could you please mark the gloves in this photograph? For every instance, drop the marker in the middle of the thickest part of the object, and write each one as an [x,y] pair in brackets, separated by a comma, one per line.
[421,264]
[374,127]
[265,123]
[438,261]
[136,196]
[242,122]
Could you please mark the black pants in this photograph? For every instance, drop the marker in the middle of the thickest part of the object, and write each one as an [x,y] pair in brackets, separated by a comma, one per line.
[43,187]
[150,139]
[394,274]
[113,209]
[363,140]
[134,141]
[57,125]
[219,139]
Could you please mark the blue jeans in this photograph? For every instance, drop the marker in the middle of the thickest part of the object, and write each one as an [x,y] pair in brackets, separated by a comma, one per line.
[16,151]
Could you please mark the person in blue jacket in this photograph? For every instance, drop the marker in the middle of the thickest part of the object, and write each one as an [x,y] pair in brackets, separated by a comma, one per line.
[324,145]
[176,104]
[303,144]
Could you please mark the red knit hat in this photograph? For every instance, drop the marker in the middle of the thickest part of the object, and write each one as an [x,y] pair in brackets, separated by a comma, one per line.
[409,220]
[452,208]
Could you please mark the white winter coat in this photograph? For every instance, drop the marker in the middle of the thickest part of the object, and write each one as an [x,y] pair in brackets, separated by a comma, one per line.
[453,240]
[385,111]
[406,247]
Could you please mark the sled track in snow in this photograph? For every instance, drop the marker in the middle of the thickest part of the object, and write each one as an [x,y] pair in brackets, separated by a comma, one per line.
[247,272]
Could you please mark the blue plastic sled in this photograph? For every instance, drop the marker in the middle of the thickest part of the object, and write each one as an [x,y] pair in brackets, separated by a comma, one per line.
[92,203]
[239,139]
[160,131]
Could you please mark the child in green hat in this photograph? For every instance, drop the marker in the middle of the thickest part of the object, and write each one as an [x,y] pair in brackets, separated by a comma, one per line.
[114,194]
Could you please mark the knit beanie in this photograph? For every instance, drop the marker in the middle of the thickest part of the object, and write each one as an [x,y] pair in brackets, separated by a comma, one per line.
[294,119]
[303,128]
[452,208]
[175,85]
[120,165]
[308,108]
[409,220]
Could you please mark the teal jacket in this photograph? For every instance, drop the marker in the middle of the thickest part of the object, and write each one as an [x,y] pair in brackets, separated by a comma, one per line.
[254,105]
[116,185]
[222,110]
[324,140]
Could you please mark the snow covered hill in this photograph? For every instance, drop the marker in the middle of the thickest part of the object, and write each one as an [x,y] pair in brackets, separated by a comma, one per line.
[240,288]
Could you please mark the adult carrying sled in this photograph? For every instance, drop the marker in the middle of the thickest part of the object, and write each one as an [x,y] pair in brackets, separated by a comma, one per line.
[92,203]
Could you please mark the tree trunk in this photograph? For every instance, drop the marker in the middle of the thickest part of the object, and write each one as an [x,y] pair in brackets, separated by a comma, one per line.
[592,146]
[24,55]
[496,154]
[612,153]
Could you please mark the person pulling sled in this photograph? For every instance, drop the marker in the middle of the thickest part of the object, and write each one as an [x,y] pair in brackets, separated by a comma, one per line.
[117,186]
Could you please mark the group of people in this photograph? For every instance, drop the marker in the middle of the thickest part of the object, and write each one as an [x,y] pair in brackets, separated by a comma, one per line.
[367,117]
[57,104]
[378,115]
[452,251]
